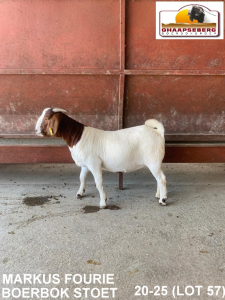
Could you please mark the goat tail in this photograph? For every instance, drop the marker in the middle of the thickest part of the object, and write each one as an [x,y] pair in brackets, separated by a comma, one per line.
[156,125]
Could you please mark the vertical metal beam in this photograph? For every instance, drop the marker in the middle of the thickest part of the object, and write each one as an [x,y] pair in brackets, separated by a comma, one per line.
[120,181]
[122,36]
[122,76]
[122,64]
[120,118]
[121,101]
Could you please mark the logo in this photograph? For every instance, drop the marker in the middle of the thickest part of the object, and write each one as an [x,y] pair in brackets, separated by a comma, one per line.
[192,20]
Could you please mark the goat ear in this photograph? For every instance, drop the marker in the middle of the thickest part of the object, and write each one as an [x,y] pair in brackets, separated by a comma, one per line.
[53,124]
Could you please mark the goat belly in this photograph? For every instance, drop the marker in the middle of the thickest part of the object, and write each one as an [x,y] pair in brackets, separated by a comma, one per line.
[125,168]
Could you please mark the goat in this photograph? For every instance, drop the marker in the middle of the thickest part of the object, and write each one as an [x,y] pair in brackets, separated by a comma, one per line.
[199,14]
[95,150]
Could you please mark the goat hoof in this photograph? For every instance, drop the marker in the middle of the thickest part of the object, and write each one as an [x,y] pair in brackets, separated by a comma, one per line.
[157,196]
[79,196]
[102,207]
[162,202]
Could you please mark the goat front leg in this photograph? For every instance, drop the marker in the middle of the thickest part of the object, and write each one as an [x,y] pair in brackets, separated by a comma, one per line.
[83,175]
[96,170]
[157,195]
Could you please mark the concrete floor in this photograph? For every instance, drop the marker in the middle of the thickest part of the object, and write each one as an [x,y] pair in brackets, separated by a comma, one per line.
[141,243]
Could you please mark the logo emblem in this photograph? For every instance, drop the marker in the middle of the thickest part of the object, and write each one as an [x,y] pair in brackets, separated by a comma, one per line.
[189,21]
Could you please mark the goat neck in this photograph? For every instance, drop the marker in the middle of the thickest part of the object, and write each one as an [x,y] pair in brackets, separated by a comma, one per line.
[70,130]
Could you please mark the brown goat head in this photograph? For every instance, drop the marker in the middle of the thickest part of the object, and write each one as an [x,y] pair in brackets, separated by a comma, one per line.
[55,122]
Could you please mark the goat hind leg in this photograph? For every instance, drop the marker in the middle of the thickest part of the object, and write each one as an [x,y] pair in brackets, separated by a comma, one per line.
[83,175]
[161,182]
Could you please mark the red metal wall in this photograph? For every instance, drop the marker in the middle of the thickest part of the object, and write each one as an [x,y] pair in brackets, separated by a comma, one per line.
[59,34]
[100,61]
[90,99]
[69,40]
[177,81]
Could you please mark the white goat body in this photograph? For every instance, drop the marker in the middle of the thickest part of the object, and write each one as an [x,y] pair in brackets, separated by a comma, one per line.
[123,150]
